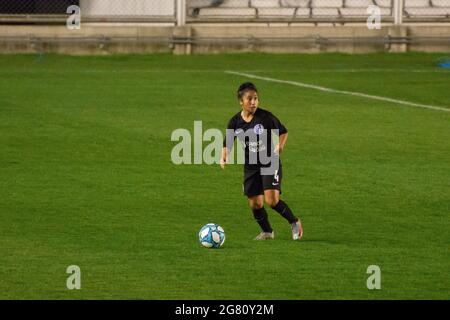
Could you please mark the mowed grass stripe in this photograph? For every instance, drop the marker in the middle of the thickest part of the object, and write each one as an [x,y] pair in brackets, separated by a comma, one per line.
[329,90]
[87,180]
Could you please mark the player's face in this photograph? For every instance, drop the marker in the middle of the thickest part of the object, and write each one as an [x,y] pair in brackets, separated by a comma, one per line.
[249,102]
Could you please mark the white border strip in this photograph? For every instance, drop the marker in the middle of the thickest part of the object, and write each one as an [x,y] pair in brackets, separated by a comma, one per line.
[357,94]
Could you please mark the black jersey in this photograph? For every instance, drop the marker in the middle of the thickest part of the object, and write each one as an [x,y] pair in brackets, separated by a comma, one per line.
[255,136]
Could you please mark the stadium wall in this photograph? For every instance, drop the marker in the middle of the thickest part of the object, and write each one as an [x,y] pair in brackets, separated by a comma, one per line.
[204,39]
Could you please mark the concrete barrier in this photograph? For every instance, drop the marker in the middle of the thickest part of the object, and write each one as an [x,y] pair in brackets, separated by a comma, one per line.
[205,39]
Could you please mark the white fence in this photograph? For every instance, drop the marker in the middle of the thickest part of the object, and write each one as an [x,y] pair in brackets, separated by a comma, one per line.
[304,10]
[129,8]
[197,11]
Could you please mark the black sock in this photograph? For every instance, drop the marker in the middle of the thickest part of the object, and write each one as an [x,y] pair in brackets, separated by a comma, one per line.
[283,209]
[262,219]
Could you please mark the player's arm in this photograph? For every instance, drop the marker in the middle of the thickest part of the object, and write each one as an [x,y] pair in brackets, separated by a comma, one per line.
[224,157]
[282,132]
[227,143]
[280,146]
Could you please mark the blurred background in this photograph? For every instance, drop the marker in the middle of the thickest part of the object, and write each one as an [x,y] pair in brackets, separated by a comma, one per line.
[212,26]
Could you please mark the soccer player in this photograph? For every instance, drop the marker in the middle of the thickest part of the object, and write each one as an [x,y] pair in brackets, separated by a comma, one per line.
[262,175]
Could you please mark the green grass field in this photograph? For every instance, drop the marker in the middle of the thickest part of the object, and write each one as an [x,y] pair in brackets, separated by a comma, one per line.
[87,178]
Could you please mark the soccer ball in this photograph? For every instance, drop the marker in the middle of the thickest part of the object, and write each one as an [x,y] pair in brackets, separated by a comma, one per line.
[211,235]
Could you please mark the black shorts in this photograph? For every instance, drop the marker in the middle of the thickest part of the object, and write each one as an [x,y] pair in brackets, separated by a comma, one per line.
[255,183]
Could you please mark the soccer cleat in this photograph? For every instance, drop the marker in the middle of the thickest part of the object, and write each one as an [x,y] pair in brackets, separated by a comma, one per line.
[265,235]
[297,230]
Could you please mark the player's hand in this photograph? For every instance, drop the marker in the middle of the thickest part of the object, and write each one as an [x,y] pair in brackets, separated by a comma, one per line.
[278,150]
[222,163]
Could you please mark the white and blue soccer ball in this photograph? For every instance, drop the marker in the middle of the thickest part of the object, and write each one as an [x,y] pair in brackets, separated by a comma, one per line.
[211,235]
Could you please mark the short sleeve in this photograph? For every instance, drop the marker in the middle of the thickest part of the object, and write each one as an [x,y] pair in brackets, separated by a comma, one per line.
[229,134]
[276,124]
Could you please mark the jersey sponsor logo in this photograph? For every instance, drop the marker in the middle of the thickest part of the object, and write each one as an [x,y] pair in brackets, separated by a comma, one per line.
[238,131]
[258,129]
[256,146]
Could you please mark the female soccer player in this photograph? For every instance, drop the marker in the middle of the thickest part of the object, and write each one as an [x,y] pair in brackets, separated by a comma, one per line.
[262,169]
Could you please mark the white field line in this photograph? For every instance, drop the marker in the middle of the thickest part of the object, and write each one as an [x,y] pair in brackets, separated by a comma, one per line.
[360,70]
[351,93]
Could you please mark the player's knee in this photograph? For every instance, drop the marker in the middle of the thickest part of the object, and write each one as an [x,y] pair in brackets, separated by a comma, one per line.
[272,202]
[256,204]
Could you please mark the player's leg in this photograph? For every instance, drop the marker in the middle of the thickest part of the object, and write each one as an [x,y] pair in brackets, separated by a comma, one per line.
[272,191]
[256,203]
[254,191]
[272,198]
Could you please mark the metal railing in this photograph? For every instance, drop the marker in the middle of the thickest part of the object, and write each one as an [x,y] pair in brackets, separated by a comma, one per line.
[56,11]
[180,12]
[425,10]
[288,10]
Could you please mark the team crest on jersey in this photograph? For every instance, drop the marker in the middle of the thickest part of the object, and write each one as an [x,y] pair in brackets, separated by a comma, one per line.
[258,129]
